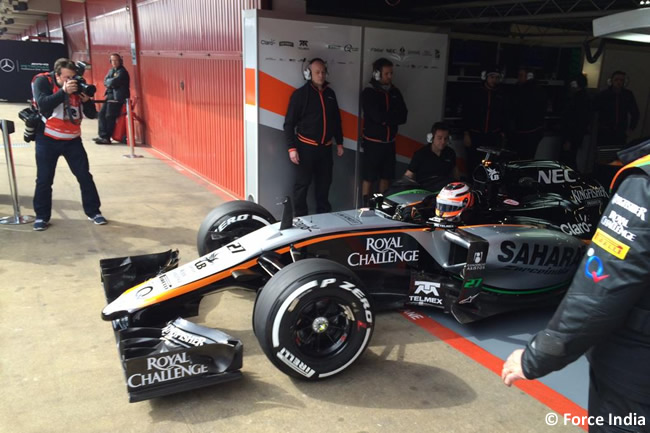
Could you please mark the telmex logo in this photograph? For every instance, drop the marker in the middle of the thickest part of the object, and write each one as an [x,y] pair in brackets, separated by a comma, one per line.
[427,288]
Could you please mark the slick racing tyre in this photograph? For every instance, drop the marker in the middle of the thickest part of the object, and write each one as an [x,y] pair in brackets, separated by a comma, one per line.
[313,319]
[228,222]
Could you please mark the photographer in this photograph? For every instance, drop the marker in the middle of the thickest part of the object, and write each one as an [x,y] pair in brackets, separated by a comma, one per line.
[117,91]
[60,100]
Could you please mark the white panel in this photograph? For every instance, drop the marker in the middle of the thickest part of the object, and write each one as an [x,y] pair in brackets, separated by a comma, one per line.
[286,47]
[249,35]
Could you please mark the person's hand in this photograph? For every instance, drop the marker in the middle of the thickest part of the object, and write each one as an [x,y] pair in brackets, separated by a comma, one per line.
[339,150]
[512,370]
[293,156]
[70,87]
[467,140]
[84,97]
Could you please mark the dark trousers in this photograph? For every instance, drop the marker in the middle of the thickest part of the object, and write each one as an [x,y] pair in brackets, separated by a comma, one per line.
[525,143]
[48,152]
[474,157]
[107,116]
[605,402]
[315,162]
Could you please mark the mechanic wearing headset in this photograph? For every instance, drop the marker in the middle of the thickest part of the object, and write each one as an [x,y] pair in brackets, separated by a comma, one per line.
[606,311]
[117,83]
[60,105]
[312,121]
[483,117]
[617,111]
[435,163]
[383,110]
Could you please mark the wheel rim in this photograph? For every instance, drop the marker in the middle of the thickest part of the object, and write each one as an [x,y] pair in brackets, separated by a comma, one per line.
[323,327]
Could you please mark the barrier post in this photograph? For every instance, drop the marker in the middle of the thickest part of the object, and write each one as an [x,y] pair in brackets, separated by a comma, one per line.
[7,129]
[130,130]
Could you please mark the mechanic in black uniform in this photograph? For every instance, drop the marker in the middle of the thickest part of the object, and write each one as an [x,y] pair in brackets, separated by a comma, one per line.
[435,162]
[606,311]
[117,84]
[618,113]
[527,112]
[383,110]
[312,120]
[484,117]
[575,120]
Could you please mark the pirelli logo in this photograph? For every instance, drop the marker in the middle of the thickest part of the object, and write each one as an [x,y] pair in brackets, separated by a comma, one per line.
[610,244]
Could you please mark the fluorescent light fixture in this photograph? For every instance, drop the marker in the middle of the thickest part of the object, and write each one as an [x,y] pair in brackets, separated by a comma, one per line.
[631,25]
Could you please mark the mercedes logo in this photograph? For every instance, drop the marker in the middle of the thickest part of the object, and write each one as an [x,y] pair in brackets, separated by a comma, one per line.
[7,65]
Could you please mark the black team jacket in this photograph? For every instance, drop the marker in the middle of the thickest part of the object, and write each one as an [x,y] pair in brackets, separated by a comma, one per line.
[383,111]
[313,117]
[606,311]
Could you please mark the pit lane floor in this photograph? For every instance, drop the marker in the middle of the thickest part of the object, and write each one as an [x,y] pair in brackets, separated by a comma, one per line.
[59,367]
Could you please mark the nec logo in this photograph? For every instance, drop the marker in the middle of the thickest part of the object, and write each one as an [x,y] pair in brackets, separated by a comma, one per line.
[556,175]
[427,288]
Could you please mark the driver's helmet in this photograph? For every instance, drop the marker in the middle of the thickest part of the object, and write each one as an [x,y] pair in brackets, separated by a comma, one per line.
[453,200]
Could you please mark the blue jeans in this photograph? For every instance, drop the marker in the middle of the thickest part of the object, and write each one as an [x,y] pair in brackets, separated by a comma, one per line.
[48,151]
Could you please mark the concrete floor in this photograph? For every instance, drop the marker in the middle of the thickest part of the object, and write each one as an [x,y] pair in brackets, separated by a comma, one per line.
[59,367]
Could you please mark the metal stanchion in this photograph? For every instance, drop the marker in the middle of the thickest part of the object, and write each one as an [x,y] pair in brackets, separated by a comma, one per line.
[7,129]
[130,130]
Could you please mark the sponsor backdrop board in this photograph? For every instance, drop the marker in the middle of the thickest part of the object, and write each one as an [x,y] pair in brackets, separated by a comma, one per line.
[275,53]
[20,61]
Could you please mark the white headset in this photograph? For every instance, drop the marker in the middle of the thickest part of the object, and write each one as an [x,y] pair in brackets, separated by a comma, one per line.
[376,74]
[306,72]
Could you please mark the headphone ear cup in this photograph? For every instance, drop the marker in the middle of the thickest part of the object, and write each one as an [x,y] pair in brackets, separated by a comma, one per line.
[376,75]
[609,81]
[483,75]
[430,137]
[306,73]
[529,76]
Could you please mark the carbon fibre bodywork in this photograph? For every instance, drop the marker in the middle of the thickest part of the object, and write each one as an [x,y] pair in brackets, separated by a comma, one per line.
[518,248]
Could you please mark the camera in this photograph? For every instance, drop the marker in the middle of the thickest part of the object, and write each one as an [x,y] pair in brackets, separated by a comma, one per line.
[84,87]
[31,117]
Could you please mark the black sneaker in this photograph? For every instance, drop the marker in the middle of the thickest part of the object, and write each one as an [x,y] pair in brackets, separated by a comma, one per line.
[41,224]
[103,141]
[98,219]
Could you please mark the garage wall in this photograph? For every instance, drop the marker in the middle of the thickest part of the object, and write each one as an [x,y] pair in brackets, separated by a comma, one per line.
[188,75]
[191,69]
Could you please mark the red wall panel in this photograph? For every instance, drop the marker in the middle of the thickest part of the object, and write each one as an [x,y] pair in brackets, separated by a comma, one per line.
[73,16]
[110,32]
[199,123]
[54,24]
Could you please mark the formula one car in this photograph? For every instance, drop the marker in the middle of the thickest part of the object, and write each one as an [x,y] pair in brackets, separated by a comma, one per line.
[320,279]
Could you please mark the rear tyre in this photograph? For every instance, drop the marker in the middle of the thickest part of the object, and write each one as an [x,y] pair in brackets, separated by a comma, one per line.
[313,319]
[228,222]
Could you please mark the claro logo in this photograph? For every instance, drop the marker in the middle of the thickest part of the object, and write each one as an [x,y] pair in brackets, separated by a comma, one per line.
[383,250]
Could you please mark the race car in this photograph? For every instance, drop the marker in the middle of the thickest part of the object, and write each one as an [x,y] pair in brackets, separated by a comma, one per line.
[512,240]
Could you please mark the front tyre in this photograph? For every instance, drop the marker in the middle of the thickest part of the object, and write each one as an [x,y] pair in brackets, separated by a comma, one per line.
[230,221]
[313,319]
